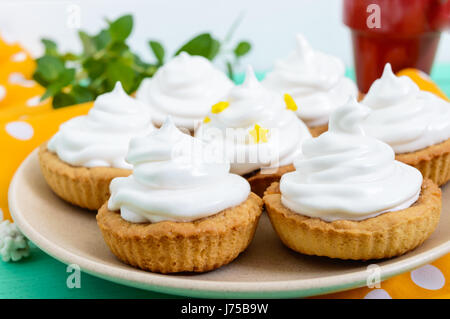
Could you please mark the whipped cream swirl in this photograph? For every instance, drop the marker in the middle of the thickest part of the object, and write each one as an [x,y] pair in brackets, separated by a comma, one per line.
[184,88]
[101,138]
[175,177]
[253,110]
[344,174]
[404,116]
[315,80]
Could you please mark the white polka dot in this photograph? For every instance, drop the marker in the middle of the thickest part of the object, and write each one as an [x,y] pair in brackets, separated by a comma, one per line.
[20,130]
[8,37]
[1,214]
[18,78]
[424,76]
[19,57]
[2,92]
[428,277]
[34,101]
[378,294]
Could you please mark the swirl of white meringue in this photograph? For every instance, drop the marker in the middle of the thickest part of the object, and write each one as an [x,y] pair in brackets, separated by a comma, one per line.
[184,88]
[314,79]
[175,177]
[403,116]
[251,104]
[344,174]
[101,138]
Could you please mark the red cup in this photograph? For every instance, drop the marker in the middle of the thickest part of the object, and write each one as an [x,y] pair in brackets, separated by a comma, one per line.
[404,33]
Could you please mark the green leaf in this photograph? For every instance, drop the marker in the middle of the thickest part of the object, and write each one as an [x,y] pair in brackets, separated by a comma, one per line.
[99,85]
[147,70]
[203,45]
[63,99]
[49,68]
[94,68]
[102,39]
[118,49]
[242,48]
[39,79]
[230,70]
[77,95]
[69,57]
[87,42]
[118,71]
[52,90]
[215,48]
[158,51]
[121,28]
[82,94]
[65,78]
[50,47]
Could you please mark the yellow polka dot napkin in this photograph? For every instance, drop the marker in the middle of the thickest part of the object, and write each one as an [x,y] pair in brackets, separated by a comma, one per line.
[25,121]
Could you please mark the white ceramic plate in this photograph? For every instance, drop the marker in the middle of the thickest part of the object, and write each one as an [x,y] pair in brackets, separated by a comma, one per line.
[265,269]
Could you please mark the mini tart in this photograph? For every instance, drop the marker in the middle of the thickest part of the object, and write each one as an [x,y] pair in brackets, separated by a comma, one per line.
[433,162]
[170,247]
[384,236]
[259,182]
[81,186]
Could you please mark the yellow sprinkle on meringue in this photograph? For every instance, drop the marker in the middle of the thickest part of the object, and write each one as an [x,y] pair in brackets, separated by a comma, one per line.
[219,107]
[206,120]
[259,134]
[290,103]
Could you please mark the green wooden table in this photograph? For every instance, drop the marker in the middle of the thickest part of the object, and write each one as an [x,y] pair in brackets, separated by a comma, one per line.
[41,276]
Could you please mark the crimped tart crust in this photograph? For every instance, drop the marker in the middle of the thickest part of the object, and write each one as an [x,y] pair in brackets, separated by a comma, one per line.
[80,186]
[169,247]
[433,162]
[386,235]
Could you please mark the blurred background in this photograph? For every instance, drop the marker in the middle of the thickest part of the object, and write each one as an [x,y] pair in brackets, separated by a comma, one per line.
[269,25]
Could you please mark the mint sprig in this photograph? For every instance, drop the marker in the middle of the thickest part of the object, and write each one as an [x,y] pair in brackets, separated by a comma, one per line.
[106,58]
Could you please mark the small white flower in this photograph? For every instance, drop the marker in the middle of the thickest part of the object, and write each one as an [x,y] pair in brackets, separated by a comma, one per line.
[13,245]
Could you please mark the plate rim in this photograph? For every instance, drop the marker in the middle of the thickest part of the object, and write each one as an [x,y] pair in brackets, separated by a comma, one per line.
[189,287]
